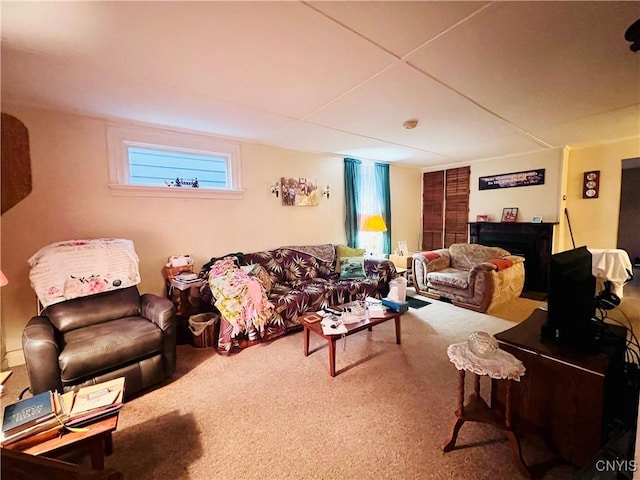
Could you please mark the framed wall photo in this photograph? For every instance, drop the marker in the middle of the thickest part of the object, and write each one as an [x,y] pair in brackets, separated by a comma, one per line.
[591,184]
[509,214]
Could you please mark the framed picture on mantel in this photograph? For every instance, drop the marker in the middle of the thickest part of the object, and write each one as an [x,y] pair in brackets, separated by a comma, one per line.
[509,214]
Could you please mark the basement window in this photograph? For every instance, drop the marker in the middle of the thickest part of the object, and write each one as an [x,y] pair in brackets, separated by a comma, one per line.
[158,163]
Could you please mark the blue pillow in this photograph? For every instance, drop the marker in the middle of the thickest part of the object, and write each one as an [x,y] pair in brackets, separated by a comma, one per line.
[351,267]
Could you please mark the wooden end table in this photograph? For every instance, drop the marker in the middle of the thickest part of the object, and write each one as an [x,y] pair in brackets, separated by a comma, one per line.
[476,409]
[97,440]
[352,328]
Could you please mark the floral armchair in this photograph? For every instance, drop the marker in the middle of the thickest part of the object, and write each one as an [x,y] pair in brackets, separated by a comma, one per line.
[472,276]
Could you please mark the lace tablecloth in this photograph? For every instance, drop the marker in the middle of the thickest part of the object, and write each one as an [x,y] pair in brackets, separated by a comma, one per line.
[498,365]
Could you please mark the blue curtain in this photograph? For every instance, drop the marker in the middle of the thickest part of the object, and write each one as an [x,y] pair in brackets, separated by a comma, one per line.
[352,189]
[383,192]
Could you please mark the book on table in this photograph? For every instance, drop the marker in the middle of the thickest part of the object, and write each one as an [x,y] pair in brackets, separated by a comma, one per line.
[39,426]
[95,402]
[25,413]
[73,409]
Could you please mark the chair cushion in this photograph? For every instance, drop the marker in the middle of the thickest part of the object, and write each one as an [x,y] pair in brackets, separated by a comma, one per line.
[103,307]
[449,277]
[105,346]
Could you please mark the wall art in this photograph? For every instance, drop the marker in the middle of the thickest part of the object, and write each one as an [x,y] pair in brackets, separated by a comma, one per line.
[591,184]
[300,192]
[508,180]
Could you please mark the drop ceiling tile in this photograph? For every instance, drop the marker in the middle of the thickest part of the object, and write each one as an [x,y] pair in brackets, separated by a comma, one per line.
[399,27]
[320,139]
[540,63]
[98,92]
[602,128]
[280,57]
[449,124]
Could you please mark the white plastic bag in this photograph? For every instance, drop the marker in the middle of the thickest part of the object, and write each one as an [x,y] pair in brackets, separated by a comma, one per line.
[199,323]
[398,290]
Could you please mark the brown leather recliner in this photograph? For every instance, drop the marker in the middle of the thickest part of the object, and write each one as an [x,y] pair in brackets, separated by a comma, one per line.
[96,338]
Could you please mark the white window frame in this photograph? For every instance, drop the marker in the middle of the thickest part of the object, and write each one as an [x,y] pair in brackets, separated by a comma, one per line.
[120,138]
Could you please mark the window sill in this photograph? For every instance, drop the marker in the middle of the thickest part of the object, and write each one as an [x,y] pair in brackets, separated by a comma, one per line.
[138,191]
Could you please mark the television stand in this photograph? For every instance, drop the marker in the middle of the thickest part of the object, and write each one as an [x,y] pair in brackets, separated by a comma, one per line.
[567,397]
[587,339]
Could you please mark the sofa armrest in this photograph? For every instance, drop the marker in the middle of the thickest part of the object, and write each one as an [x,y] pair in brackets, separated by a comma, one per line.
[484,266]
[162,312]
[428,261]
[159,310]
[41,351]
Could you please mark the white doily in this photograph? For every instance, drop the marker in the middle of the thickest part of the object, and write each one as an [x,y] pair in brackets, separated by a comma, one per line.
[498,365]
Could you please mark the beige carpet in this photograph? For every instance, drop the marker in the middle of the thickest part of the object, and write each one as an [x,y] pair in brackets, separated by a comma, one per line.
[270,413]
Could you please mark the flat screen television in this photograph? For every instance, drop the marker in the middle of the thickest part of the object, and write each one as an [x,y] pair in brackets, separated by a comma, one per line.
[571,300]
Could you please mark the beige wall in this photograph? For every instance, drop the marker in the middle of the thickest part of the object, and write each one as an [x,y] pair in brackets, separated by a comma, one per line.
[536,200]
[595,221]
[71,200]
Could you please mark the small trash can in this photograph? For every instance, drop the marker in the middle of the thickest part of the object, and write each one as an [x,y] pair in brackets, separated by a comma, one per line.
[204,329]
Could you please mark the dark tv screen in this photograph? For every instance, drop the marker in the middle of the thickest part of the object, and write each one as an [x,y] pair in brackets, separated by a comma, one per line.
[571,299]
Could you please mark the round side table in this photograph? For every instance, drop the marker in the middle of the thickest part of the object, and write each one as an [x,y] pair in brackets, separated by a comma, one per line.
[499,365]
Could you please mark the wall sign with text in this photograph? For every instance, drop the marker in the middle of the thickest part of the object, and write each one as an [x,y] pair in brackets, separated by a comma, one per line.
[508,180]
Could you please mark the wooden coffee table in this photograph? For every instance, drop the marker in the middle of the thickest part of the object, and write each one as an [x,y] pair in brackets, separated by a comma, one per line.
[352,328]
[97,440]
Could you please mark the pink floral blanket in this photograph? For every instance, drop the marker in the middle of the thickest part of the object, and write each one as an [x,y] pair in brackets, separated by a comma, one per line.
[77,268]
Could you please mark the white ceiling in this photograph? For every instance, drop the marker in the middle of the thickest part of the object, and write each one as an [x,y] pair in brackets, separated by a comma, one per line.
[484,79]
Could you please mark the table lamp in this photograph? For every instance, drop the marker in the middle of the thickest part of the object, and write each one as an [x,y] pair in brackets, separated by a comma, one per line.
[375,224]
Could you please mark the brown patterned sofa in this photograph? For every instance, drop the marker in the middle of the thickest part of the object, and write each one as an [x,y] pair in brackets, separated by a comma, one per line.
[470,275]
[297,280]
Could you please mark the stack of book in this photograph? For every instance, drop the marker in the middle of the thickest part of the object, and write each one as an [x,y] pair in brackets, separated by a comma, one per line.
[38,417]
[43,416]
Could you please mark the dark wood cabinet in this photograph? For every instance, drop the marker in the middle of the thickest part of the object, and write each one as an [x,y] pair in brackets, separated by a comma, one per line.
[566,397]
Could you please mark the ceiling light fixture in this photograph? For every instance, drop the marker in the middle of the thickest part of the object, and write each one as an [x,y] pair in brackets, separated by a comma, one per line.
[410,124]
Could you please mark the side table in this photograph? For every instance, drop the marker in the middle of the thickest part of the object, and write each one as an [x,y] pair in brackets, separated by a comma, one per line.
[186,298]
[498,365]
[96,439]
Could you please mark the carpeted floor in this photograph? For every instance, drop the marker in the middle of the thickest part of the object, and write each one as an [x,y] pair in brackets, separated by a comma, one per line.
[270,413]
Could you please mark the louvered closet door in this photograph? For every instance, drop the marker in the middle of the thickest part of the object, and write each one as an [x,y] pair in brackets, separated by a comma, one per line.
[432,210]
[456,205]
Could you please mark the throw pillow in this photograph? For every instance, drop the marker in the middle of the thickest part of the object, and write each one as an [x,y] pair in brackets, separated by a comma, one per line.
[343,251]
[501,263]
[351,267]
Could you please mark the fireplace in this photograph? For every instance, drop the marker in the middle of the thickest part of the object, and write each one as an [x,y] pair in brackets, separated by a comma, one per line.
[533,241]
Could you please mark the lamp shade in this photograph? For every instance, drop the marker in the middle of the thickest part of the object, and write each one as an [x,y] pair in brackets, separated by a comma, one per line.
[374,223]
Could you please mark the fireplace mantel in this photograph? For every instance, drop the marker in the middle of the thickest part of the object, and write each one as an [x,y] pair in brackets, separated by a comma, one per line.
[533,241]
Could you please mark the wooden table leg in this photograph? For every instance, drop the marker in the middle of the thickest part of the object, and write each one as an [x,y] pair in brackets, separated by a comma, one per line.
[451,443]
[108,444]
[96,452]
[306,341]
[332,356]
[398,339]
[516,449]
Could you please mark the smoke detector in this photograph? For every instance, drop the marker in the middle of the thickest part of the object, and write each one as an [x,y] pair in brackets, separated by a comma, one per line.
[410,124]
